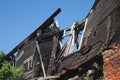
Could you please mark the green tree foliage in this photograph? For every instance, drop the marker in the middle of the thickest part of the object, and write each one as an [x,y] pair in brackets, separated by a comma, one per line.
[86,77]
[2,55]
[7,71]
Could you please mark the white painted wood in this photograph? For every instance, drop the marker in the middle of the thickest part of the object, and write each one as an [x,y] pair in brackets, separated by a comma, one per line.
[22,52]
[43,68]
[80,44]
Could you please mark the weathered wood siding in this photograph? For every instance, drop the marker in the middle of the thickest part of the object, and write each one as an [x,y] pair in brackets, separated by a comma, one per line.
[25,52]
[101,20]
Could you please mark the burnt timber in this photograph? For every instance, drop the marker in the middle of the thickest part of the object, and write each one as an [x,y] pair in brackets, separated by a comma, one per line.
[42,55]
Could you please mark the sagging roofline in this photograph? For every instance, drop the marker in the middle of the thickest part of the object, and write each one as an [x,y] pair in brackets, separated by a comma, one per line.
[44,25]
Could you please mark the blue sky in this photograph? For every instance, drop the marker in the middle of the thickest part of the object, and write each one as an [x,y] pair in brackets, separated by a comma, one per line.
[19,18]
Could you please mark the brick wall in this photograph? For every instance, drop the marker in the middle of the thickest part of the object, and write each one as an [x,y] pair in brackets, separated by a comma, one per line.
[111,67]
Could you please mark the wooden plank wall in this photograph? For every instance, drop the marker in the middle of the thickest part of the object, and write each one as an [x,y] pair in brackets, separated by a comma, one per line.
[99,21]
[101,11]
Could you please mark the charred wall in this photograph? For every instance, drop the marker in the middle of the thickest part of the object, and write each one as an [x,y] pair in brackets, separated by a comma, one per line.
[102,23]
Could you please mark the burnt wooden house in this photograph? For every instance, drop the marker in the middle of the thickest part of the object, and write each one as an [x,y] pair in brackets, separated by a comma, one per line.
[42,55]
[41,44]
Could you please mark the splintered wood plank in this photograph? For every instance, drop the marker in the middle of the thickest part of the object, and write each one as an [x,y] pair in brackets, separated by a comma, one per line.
[46,78]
